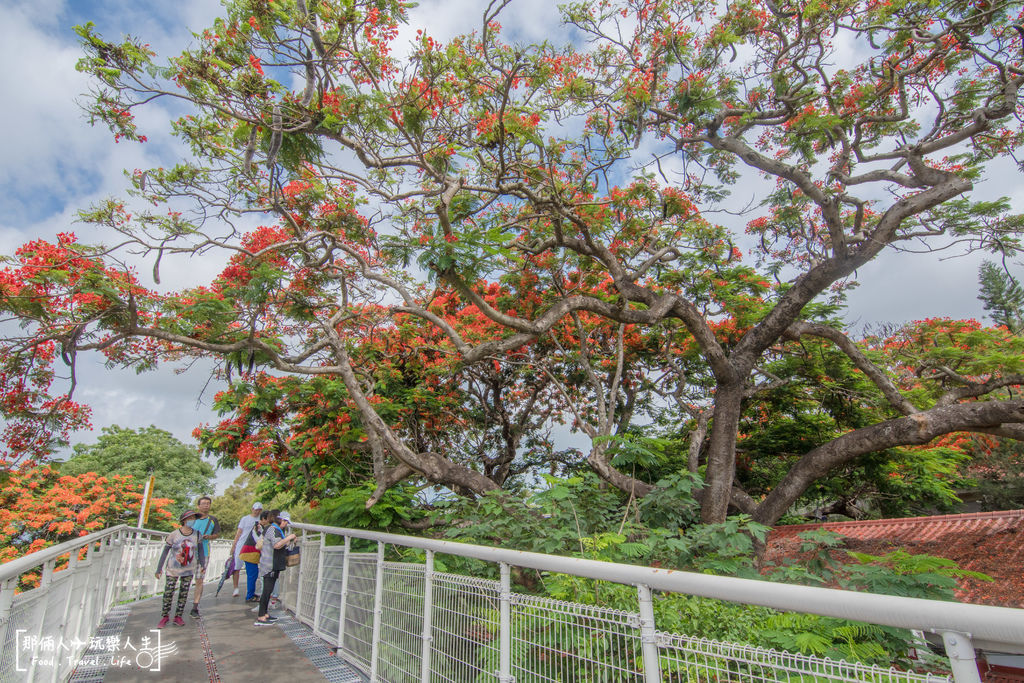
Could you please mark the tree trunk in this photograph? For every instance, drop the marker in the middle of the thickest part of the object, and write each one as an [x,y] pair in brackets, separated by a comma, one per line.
[434,467]
[917,429]
[598,460]
[721,453]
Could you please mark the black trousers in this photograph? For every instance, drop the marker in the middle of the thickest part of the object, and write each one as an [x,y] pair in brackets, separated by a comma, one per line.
[268,587]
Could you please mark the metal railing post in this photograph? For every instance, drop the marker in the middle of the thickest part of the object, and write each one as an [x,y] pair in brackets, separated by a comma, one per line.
[124,568]
[103,585]
[428,618]
[95,557]
[138,570]
[45,578]
[505,626]
[120,583]
[298,588]
[344,593]
[127,550]
[80,612]
[111,574]
[648,636]
[318,582]
[960,651]
[71,570]
[378,612]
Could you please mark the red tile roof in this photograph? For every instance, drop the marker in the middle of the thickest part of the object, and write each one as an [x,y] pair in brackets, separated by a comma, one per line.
[987,542]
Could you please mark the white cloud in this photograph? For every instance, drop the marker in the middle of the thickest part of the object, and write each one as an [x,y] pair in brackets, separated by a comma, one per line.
[38,117]
[522,21]
[54,164]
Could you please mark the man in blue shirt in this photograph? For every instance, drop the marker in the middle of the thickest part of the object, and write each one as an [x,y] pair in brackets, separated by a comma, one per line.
[209,527]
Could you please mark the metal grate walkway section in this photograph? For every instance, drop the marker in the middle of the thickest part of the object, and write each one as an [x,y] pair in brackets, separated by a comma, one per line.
[323,657]
[222,646]
[93,665]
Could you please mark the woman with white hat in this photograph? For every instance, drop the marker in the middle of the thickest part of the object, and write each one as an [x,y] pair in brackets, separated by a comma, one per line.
[245,526]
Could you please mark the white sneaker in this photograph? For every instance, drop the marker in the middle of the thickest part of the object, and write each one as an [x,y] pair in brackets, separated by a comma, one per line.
[235,593]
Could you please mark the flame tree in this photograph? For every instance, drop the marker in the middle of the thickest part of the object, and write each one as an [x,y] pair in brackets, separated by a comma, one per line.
[435,213]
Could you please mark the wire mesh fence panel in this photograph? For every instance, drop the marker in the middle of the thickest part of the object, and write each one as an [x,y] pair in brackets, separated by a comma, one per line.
[64,648]
[138,557]
[466,611]
[220,551]
[144,561]
[289,580]
[330,591]
[687,659]
[23,624]
[308,577]
[71,628]
[362,582]
[554,640]
[401,630]
[288,588]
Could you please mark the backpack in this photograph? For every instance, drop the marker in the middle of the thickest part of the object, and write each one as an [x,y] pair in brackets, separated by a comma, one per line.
[280,562]
[251,548]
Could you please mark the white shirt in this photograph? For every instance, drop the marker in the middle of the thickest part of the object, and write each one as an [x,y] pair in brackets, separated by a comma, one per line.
[245,524]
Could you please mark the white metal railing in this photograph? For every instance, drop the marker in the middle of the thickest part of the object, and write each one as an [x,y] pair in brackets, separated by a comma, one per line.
[405,622]
[79,581]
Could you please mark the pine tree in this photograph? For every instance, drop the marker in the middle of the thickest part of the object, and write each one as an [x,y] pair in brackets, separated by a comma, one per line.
[1002,296]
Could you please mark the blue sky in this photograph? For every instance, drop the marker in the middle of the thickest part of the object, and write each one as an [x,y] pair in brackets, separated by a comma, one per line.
[54,163]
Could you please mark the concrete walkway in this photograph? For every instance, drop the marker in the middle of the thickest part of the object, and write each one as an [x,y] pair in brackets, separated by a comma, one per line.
[221,646]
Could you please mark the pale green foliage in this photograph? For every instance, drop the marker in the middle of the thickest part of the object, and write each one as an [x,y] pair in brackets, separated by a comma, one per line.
[1002,296]
[237,500]
[577,517]
[180,471]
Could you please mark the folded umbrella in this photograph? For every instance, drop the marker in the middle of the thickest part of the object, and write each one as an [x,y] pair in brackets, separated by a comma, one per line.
[229,567]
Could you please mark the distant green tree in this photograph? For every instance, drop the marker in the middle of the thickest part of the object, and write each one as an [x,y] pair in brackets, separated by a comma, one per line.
[237,500]
[181,474]
[1002,296]
[998,468]
[999,464]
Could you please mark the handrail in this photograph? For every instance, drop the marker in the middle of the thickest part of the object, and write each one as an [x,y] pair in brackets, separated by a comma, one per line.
[103,568]
[997,628]
[25,563]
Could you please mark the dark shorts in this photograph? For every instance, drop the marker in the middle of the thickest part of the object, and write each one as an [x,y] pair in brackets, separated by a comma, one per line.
[205,565]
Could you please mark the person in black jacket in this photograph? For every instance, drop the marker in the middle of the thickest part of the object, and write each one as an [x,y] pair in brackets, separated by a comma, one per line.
[273,560]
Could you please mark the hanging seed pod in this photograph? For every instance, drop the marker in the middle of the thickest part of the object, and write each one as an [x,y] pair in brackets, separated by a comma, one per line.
[317,43]
[156,267]
[250,151]
[307,95]
[275,137]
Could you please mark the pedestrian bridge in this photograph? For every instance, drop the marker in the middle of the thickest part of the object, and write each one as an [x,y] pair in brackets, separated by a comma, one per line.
[365,606]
